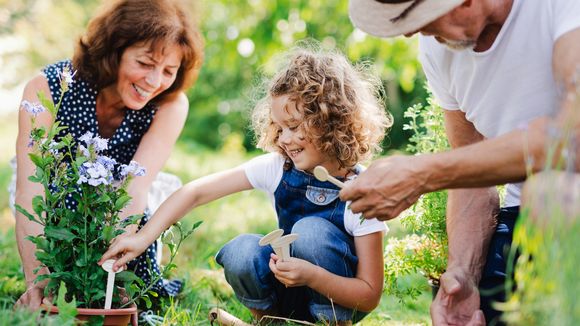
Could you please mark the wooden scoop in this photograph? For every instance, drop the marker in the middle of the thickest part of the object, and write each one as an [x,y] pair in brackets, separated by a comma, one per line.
[268,238]
[282,246]
[321,173]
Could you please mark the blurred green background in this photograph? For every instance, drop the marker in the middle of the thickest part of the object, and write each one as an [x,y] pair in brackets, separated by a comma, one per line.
[241,38]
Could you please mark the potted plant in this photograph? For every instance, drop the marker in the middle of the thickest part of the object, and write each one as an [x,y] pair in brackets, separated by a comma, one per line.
[424,250]
[79,210]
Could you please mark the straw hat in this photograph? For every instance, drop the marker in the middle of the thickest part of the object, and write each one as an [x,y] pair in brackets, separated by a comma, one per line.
[386,18]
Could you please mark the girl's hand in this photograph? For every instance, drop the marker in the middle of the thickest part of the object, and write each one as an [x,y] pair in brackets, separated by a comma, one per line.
[293,272]
[124,248]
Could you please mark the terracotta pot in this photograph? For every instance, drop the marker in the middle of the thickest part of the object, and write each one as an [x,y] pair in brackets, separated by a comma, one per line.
[113,317]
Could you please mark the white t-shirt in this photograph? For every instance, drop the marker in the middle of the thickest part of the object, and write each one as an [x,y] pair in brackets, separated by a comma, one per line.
[265,173]
[510,84]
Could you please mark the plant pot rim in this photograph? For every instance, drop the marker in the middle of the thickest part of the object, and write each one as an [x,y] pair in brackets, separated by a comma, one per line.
[95,311]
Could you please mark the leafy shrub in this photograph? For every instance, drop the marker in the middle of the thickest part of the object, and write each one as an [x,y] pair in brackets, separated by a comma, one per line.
[424,251]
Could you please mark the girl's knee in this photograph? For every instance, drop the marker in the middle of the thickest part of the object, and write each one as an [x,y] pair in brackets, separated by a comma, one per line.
[243,255]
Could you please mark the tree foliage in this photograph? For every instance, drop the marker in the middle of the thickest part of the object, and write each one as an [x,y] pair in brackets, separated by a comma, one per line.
[241,39]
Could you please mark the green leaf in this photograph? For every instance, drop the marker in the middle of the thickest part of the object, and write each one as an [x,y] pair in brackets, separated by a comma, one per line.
[66,310]
[147,301]
[108,231]
[36,159]
[121,202]
[126,276]
[27,214]
[47,103]
[38,205]
[60,233]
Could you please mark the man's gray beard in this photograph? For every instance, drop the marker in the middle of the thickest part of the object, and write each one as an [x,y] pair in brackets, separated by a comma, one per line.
[461,45]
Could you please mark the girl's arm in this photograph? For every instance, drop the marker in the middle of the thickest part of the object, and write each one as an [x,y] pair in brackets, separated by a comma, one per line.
[26,190]
[363,292]
[191,195]
[154,150]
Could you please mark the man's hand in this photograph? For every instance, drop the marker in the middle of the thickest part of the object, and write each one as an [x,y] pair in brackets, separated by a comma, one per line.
[388,187]
[293,272]
[457,302]
[32,298]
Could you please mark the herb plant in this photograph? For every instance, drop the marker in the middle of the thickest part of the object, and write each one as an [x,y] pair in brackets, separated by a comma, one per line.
[424,250]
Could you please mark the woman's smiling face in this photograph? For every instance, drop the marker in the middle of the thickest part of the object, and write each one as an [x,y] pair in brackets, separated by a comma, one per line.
[145,72]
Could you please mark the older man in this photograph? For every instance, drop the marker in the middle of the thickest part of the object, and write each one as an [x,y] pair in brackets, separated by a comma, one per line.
[505,72]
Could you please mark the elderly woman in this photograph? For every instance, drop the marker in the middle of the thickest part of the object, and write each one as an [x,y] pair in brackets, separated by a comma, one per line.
[132,66]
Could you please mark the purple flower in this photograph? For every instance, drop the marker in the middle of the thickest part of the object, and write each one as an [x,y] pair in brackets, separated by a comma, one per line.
[67,75]
[133,168]
[107,162]
[94,174]
[52,147]
[87,138]
[100,143]
[33,108]
[84,150]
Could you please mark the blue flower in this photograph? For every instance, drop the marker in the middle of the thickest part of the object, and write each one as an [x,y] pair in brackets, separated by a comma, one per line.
[133,168]
[107,162]
[33,108]
[87,138]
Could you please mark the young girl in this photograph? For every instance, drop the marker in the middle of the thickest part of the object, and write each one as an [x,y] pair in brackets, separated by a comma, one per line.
[319,110]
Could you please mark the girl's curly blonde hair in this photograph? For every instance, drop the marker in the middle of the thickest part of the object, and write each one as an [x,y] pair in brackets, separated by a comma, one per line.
[342,110]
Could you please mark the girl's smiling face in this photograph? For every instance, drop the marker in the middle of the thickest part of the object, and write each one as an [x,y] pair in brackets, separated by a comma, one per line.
[144,74]
[291,138]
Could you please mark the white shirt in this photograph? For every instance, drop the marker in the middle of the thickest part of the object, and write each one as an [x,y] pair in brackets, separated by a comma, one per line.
[511,83]
[265,173]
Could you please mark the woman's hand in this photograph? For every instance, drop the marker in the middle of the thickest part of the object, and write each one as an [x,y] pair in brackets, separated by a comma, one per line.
[293,272]
[124,248]
[32,298]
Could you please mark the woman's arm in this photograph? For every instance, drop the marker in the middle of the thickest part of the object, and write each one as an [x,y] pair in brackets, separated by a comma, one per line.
[363,292]
[154,150]
[26,190]
[191,195]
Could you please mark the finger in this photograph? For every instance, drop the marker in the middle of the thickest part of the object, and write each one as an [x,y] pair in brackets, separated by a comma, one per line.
[478,319]
[123,260]
[351,191]
[109,254]
[450,284]
[361,205]
[47,301]
[273,267]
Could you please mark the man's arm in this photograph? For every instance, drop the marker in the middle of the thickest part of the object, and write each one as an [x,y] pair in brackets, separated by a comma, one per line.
[390,185]
[470,224]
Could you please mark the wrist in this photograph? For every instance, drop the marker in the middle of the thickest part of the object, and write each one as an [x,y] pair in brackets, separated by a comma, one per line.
[312,276]
[471,272]
[434,172]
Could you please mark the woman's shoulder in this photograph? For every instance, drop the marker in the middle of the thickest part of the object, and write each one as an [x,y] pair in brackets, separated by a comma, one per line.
[37,83]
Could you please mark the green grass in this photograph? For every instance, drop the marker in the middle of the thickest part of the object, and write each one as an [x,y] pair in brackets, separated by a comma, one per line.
[205,286]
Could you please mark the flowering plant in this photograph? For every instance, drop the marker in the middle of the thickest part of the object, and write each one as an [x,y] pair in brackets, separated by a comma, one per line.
[83,195]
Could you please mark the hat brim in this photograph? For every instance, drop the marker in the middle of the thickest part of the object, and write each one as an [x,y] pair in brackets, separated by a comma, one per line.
[374,17]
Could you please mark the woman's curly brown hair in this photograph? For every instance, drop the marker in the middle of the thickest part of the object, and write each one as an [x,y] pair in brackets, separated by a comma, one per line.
[124,23]
[342,109]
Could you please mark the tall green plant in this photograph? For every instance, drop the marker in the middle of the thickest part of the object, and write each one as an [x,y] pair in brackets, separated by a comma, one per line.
[80,206]
[424,251]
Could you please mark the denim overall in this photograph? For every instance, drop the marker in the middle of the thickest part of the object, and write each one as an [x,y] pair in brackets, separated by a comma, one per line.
[311,209]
